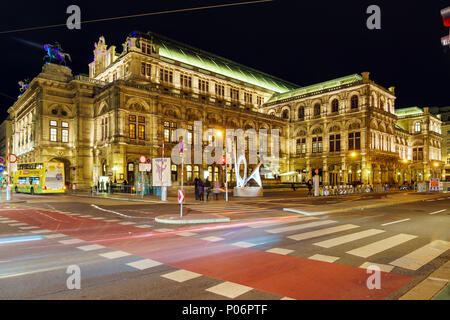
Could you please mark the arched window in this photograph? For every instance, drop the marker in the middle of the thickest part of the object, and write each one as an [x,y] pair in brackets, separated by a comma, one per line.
[372,101]
[381,104]
[285,114]
[354,102]
[335,105]
[301,113]
[317,109]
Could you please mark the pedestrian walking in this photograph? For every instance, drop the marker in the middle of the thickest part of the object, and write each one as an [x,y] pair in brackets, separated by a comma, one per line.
[200,190]
[293,186]
[309,185]
[207,188]
[196,188]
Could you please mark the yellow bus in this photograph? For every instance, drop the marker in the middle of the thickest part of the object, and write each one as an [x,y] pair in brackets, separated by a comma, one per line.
[40,177]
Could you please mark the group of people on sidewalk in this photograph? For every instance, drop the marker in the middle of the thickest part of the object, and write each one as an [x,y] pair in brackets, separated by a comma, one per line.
[205,187]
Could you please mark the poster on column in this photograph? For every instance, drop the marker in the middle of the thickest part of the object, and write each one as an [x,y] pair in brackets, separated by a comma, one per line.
[161,172]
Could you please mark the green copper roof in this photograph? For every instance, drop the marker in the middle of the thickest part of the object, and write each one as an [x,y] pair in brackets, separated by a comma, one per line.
[183,53]
[406,112]
[316,87]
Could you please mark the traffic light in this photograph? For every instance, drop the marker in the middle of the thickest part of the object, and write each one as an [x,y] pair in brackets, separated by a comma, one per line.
[223,160]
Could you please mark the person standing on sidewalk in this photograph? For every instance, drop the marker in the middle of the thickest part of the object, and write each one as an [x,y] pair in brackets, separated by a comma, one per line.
[216,189]
[196,188]
[207,188]
[309,184]
[200,190]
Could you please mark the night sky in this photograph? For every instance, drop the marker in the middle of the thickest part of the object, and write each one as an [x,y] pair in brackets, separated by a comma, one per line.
[304,42]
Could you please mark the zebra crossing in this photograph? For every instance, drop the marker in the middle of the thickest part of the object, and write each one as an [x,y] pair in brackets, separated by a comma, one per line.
[212,207]
[411,260]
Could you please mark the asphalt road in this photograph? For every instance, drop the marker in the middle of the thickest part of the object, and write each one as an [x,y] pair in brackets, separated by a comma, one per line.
[264,253]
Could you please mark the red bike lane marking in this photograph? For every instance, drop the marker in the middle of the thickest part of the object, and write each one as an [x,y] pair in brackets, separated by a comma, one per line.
[290,276]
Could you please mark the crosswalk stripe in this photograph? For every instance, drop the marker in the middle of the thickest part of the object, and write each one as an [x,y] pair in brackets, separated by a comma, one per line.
[8,221]
[322,232]
[181,275]
[280,251]
[229,289]
[383,267]
[144,264]
[71,241]
[127,223]
[324,258]
[422,256]
[348,238]
[41,231]
[28,228]
[301,226]
[55,236]
[17,224]
[114,254]
[243,244]
[91,247]
[186,234]
[382,245]
[263,224]
[213,239]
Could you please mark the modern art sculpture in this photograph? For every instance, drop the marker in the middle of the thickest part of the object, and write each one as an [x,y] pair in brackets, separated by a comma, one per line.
[242,189]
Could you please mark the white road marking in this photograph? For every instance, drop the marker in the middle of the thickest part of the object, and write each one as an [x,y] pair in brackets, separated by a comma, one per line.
[243,244]
[422,256]
[144,264]
[91,247]
[144,226]
[98,218]
[181,275]
[297,211]
[71,241]
[28,228]
[324,258]
[164,230]
[2,218]
[300,226]
[263,224]
[115,212]
[280,251]
[112,220]
[436,212]
[8,221]
[382,245]
[322,232]
[126,223]
[383,267]
[41,231]
[186,234]
[115,254]
[386,224]
[86,216]
[348,238]
[55,236]
[18,224]
[213,239]
[286,298]
[229,289]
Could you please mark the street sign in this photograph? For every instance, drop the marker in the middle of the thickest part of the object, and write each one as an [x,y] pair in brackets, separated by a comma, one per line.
[2,159]
[145,167]
[181,145]
[181,196]
[142,159]
[2,168]
[12,158]
[161,172]
[149,160]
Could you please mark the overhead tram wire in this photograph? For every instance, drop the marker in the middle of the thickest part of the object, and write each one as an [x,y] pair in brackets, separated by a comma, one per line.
[141,15]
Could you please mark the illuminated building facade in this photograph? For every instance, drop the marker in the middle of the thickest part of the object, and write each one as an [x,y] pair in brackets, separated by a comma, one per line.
[134,100]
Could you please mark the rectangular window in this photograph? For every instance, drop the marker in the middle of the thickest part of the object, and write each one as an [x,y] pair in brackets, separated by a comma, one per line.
[301,146]
[141,119]
[65,135]
[186,81]
[248,98]
[142,132]
[354,141]
[53,123]
[234,94]
[317,145]
[64,124]
[132,130]
[53,134]
[259,101]
[166,76]
[220,90]
[189,134]
[143,68]
[203,86]
[148,70]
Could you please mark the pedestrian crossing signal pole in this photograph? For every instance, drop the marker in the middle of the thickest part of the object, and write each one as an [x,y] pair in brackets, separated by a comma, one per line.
[182,175]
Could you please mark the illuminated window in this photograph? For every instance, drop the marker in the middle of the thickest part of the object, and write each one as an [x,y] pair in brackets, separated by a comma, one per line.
[65,135]
[188,173]
[196,172]
[53,123]
[203,86]
[64,124]
[142,132]
[53,134]
[132,126]
[354,102]
[417,154]
[418,127]
[335,105]
[248,98]
[354,141]
[317,145]
[189,134]
[301,146]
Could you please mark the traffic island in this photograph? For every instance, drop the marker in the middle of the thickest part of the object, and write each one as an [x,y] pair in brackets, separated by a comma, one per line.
[191,219]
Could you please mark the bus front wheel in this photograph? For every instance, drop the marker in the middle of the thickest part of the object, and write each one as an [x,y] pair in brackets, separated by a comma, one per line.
[32,191]
[15,189]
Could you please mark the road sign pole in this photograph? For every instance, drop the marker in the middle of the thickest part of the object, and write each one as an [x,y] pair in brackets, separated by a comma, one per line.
[8,188]
[182,178]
